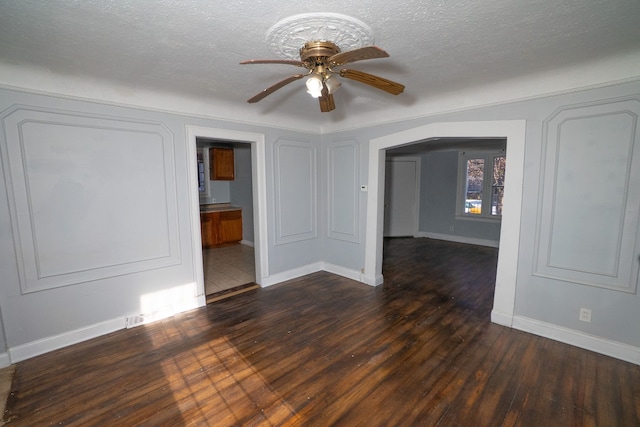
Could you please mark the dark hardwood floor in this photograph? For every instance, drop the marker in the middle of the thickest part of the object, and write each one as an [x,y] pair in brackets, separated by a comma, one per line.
[324,350]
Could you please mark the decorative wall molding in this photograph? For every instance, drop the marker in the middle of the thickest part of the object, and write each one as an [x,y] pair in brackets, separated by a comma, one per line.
[287,36]
[589,203]
[295,191]
[343,191]
[90,197]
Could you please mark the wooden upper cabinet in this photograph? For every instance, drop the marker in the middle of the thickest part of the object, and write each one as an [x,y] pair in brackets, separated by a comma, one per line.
[222,164]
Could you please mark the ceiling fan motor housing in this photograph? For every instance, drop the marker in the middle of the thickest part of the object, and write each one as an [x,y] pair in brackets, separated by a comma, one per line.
[318,49]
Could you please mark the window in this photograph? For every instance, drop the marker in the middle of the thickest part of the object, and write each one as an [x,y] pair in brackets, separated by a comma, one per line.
[203,171]
[481,185]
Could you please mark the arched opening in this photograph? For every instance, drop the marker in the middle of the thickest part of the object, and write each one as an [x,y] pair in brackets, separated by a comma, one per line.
[514,132]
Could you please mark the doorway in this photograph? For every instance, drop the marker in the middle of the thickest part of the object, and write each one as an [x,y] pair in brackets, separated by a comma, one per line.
[226,207]
[401,196]
[514,131]
[253,146]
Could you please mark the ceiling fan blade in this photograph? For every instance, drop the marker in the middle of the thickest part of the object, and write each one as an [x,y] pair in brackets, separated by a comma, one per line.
[326,101]
[275,87]
[367,52]
[273,61]
[375,81]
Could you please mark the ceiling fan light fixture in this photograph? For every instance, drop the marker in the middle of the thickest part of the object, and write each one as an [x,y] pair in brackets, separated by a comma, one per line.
[314,86]
[332,84]
[320,56]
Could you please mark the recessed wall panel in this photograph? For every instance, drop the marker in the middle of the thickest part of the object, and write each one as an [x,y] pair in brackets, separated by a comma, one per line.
[591,199]
[99,192]
[295,187]
[343,191]
[590,193]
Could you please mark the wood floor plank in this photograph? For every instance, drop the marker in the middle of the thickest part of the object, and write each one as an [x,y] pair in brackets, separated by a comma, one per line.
[324,350]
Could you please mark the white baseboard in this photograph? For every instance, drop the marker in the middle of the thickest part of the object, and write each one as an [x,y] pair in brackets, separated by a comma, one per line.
[4,360]
[246,243]
[372,280]
[45,345]
[312,268]
[501,318]
[616,349]
[459,239]
[342,271]
[274,279]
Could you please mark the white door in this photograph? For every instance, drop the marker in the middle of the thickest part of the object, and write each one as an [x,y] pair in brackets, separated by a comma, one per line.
[401,197]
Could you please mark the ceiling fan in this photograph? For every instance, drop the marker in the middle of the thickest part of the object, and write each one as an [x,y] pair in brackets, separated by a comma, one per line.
[320,58]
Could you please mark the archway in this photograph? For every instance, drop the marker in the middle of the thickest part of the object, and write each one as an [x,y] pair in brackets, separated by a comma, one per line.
[514,132]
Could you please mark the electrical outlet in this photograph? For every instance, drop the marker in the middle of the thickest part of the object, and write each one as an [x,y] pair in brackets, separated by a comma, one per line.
[585,315]
[451,228]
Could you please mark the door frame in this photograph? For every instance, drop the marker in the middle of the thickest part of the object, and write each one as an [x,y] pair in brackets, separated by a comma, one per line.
[515,133]
[259,189]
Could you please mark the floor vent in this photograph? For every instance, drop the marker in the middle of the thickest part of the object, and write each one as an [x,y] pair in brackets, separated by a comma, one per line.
[144,318]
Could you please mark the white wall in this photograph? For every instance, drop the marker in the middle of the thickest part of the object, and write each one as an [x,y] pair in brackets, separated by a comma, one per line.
[316,216]
[97,217]
[548,303]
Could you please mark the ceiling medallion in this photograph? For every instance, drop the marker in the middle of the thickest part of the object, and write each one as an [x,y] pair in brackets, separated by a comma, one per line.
[287,36]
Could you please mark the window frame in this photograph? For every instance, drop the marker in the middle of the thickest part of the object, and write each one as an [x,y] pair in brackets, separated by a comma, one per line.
[487,184]
[205,160]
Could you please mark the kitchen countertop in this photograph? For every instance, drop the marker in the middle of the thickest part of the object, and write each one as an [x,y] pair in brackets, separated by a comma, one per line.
[218,207]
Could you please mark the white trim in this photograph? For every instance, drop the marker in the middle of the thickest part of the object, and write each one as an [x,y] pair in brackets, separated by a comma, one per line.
[312,268]
[45,345]
[459,239]
[284,233]
[292,274]
[342,271]
[372,280]
[4,360]
[611,348]
[515,132]
[331,153]
[259,179]
[55,342]
[501,319]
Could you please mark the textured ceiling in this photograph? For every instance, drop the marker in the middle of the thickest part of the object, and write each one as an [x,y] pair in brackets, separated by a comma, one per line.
[193,48]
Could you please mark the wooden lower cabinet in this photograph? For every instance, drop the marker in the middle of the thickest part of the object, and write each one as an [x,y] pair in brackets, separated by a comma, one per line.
[218,228]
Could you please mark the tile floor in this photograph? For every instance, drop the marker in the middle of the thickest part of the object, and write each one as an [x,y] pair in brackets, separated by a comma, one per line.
[228,267]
